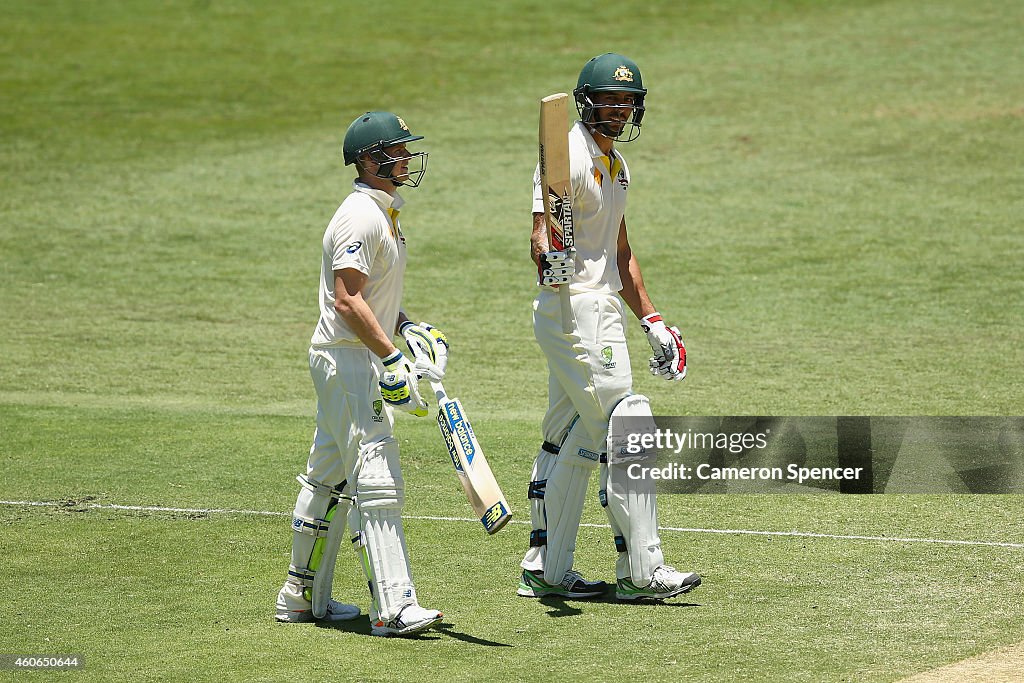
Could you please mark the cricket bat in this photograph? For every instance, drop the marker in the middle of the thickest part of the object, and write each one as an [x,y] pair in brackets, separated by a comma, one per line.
[478,482]
[555,185]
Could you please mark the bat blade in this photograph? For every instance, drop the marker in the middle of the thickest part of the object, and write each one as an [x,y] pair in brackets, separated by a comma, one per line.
[482,489]
[556,188]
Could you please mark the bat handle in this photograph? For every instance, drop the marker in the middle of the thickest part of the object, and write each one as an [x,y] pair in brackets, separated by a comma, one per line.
[439,391]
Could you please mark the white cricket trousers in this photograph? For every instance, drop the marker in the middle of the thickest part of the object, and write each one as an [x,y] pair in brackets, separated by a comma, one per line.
[588,370]
[349,412]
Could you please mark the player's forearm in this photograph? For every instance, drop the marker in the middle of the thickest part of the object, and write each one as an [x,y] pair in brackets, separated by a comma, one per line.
[633,291]
[356,313]
[539,238]
[403,318]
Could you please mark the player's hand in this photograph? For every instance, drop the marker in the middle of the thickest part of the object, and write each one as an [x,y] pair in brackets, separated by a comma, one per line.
[669,358]
[428,343]
[555,268]
[399,385]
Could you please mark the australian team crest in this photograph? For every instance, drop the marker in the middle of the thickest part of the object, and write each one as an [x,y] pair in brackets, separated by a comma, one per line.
[402,125]
[623,74]
[378,406]
[606,356]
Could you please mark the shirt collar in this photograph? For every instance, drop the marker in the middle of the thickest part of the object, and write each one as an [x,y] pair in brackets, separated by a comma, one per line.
[383,199]
[592,147]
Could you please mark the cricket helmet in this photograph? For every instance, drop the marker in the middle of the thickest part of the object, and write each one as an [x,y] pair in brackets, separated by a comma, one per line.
[374,131]
[611,72]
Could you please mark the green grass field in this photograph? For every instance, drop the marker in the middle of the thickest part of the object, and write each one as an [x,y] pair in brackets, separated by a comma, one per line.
[826,200]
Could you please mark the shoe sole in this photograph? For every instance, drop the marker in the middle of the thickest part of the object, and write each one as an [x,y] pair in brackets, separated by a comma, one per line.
[306,617]
[526,592]
[386,632]
[633,597]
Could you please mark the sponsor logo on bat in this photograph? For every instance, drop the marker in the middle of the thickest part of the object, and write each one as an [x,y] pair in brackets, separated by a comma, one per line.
[560,209]
[461,429]
[493,515]
[454,426]
[449,441]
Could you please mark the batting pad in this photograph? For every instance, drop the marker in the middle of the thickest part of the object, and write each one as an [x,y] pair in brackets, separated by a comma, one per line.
[631,505]
[313,550]
[542,466]
[564,495]
[379,539]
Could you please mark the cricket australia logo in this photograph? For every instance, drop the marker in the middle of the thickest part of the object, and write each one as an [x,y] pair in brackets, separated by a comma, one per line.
[402,125]
[623,74]
[606,357]
[378,406]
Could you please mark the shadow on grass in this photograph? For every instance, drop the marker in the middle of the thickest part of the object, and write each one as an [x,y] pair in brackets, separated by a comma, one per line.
[361,626]
[446,629]
[566,607]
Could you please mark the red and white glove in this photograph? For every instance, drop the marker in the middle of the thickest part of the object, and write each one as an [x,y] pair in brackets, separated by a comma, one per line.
[669,359]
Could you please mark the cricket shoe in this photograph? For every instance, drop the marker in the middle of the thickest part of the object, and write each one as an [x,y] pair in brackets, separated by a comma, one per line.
[666,583]
[293,608]
[533,585]
[410,619]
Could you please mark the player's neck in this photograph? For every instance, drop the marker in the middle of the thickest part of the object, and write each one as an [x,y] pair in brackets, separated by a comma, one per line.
[382,184]
[605,144]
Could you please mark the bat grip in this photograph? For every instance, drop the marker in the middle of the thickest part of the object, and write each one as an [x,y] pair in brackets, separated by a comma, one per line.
[439,391]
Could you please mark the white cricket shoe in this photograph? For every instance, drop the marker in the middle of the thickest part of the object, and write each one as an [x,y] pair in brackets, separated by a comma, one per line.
[667,582]
[293,608]
[410,619]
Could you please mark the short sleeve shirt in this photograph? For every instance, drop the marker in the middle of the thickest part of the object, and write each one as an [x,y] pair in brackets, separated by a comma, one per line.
[364,235]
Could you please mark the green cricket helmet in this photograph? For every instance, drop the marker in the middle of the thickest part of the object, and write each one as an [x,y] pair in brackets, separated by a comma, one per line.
[374,131]
[611,72]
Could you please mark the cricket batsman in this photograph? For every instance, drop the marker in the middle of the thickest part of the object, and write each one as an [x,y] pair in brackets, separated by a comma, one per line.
[353,477]
[590,380]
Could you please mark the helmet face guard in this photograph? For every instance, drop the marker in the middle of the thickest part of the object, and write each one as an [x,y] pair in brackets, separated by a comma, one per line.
[386,165]
[625,130]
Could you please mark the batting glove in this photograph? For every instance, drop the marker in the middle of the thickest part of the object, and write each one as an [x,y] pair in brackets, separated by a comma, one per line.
[555,268]
[399,385]
[669,358]
[427,343]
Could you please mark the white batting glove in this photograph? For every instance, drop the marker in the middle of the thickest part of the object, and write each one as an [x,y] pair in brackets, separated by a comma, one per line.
[427,343]
[399,386]
[556,268]
[669,358]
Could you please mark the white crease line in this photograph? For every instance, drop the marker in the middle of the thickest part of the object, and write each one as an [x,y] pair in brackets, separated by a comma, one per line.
[432,518]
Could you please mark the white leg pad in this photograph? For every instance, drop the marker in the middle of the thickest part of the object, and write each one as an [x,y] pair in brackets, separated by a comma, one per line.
[317,531]
[564,494]
[379,539]
[631,506]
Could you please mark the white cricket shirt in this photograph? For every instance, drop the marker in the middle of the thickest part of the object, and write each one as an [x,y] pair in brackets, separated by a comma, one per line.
[362,235]
[599,203]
